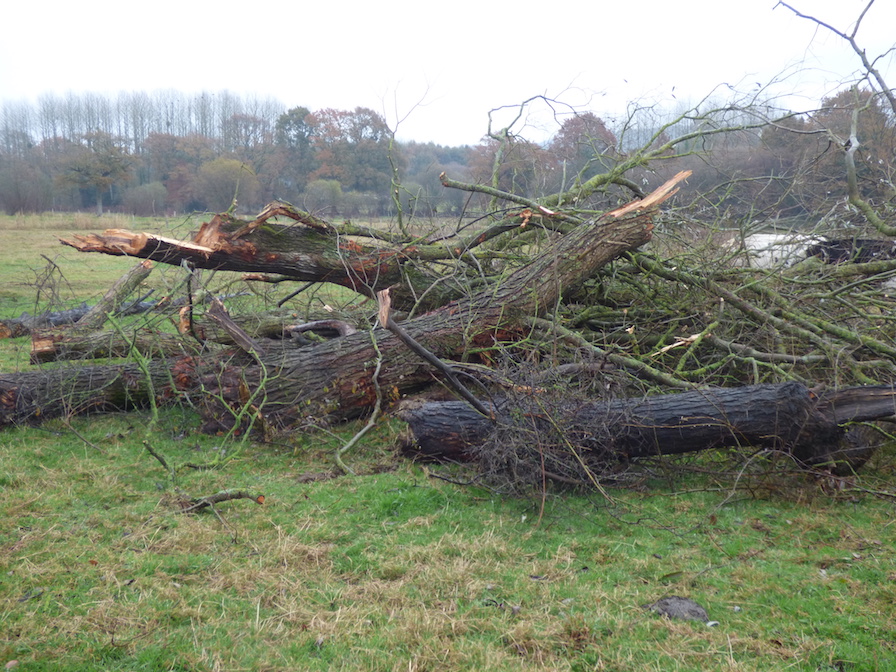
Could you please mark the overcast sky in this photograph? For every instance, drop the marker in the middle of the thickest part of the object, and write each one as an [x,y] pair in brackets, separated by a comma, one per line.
[435,69]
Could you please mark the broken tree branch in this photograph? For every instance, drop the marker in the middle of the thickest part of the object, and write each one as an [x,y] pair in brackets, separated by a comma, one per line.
[199,503]
[386,321]
[114,298]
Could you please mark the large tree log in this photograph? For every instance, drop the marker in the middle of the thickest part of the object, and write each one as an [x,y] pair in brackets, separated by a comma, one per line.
[49,346]
[335,379]
[33,396]
[785,416]
[27,324]
[276,332]
[228,244]
[310,250]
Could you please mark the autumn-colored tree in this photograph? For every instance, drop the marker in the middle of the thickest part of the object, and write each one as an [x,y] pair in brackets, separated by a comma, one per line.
[583,146]
[352,147]
[524,167]
[809,150]
[850,116]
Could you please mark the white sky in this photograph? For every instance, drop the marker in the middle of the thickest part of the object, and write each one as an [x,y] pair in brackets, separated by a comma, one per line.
[442,65]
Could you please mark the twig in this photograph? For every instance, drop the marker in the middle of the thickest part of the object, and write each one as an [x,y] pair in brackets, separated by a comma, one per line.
[159,457]
[199,503]
[294,294]
[751,352]
[625,361]
[538,210]
[81,436]
[371,422]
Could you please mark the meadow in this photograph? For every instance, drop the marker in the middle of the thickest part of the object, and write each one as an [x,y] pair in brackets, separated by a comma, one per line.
[403,566]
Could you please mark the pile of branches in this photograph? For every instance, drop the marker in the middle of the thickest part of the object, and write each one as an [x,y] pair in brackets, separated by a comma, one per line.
[542,439]
[662,293]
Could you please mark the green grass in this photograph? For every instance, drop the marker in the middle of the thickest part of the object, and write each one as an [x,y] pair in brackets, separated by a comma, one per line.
[40,272]
[395,569]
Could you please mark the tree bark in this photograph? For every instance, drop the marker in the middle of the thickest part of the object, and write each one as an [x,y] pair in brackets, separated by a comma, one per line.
[114,298]
[275,332]
[785,416]
[26,324]
[33,396]
[58,346]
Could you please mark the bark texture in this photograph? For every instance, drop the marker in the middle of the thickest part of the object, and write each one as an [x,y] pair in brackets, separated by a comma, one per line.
[785,416]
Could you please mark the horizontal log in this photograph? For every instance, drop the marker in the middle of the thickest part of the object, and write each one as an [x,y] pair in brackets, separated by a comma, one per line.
[786,416]
[26,324]
[276,333]
[51,346]
[305,253]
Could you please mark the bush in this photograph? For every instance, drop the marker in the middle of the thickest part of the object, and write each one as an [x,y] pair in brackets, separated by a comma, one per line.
[323,196]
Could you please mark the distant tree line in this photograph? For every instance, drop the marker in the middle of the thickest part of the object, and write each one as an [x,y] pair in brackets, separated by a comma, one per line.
[165,152]
[168,152]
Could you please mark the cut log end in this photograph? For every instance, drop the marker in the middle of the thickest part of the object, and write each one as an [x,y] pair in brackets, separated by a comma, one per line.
[130,243]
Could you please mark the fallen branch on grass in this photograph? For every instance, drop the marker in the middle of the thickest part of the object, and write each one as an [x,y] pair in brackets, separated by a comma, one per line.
[333,380]
[199,503]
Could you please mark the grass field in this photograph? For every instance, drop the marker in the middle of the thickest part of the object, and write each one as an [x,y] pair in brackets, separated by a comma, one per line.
[397,568]
[33,259]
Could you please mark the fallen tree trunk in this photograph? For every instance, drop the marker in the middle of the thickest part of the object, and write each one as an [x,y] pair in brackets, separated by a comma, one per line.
[310,250]
[33,396]
[52,346]
[785,416]
[307,253]
[55,345]
[26,324]
[334,380]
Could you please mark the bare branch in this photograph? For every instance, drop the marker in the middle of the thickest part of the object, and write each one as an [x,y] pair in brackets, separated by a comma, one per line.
[851,40]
